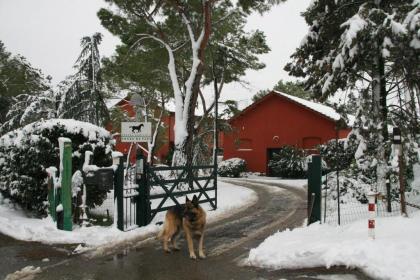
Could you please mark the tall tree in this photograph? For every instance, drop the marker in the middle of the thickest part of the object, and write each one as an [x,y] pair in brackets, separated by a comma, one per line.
[83,98]
[357,44]
[170,26]
[134,72]
[17,76]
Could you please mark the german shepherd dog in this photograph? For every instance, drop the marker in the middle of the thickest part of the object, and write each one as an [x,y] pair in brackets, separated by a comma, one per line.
[192,218]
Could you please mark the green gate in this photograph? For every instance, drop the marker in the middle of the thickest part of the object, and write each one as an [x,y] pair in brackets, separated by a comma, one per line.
[158,188]
[171,183]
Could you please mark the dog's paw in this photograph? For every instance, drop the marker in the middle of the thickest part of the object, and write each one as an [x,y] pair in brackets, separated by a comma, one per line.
[202,255]
[168,251]
[177,248]
[193,256]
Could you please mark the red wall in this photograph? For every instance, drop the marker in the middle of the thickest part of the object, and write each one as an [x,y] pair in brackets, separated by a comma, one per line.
[273,123]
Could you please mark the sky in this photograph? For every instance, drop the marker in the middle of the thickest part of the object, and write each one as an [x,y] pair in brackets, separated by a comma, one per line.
[48,33]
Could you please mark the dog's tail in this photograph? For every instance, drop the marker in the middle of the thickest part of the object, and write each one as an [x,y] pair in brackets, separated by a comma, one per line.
[161,233]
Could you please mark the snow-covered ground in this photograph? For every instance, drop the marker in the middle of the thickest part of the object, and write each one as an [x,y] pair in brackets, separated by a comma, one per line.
[15,223]
[296,183]
[251,177]
[392,255]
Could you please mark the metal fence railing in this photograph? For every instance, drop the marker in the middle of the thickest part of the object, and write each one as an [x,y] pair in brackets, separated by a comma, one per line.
[352,209]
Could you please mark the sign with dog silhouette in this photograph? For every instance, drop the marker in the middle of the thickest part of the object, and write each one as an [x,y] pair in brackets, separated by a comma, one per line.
[136,131]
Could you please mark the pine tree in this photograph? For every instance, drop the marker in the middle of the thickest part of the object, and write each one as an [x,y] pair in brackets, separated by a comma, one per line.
[82,97]
[27,108]
[182,32]
[17,76]
[357,44]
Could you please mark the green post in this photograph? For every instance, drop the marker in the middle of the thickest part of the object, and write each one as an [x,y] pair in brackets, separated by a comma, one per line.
[119,193]
[314,189]
[66,185]
[143,202]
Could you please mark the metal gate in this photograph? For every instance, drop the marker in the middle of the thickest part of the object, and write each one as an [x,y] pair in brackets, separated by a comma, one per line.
[147,190]
[168,184]
[127,198]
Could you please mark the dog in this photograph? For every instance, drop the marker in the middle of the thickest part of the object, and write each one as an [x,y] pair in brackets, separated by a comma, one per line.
[136,127]
[192,219]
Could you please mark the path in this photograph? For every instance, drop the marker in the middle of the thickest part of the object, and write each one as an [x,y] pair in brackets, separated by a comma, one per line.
[227,241]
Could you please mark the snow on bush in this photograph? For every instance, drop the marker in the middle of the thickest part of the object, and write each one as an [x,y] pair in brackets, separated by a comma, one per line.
[288,162]
[339,155]
[231,167]
[26,153]
[357,163]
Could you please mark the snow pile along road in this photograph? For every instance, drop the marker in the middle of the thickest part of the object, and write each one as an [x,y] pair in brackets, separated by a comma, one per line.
[392,255]
[15,223]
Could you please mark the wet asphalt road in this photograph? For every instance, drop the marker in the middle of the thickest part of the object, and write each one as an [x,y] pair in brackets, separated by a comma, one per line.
[227,244]
[14,254]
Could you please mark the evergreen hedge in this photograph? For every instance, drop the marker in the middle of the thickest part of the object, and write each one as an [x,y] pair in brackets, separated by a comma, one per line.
[288,162]
[338,155]
[25,154]
[231,167]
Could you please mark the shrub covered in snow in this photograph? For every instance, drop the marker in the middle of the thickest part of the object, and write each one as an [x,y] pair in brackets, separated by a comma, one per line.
[289,162]
[25,154]
[338,155]
[231,167]
[358,169]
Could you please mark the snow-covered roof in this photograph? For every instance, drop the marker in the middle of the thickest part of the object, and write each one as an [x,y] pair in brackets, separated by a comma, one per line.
[318,107]
[322,109]
[116,98]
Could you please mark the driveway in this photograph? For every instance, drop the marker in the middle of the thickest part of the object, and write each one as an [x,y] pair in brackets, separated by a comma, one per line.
[227,244]
[15,254]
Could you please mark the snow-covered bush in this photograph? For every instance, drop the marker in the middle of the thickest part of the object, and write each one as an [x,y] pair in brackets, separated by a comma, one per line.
[288,162]
[231,167]
[339,155]
[351,187]
[25,154]
[358,169]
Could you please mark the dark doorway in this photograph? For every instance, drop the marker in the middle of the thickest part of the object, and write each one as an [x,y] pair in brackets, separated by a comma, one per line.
[270,154]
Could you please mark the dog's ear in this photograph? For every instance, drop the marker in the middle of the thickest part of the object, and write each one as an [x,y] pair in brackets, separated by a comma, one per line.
[195,201]
[186,199]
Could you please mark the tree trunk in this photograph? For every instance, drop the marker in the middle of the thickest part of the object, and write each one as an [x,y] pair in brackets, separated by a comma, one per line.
[381,114]
[414,118]
[184,147]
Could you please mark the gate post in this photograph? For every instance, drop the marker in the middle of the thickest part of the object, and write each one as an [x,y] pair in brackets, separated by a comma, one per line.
[118,193]
[65,164]
[314,189]
[215,185]
[143,201]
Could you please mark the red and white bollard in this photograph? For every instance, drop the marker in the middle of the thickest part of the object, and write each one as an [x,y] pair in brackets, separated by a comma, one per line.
[372,214]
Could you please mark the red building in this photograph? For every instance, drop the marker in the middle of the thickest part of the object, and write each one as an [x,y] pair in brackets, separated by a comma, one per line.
[277,120]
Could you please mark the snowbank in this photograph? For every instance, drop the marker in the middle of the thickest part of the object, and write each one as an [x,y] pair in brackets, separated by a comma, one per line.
[14,223]
[393,255]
